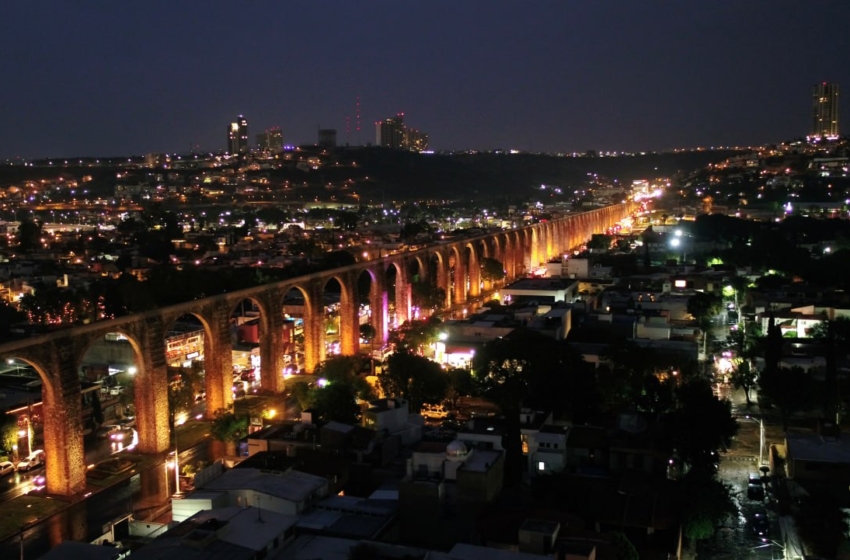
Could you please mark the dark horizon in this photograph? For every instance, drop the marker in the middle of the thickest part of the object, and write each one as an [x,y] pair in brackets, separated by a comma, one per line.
[108,80]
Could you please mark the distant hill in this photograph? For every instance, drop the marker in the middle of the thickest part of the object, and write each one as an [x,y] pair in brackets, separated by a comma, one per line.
[384,174]
[405,174]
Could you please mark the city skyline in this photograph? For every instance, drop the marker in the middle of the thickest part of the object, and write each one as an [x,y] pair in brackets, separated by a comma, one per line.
[549,78]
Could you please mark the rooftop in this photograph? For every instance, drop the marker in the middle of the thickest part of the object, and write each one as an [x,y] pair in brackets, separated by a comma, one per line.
[291,485]
[481,460]
[813,447]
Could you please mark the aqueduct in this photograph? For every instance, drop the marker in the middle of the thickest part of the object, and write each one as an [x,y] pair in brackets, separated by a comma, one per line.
[57,356]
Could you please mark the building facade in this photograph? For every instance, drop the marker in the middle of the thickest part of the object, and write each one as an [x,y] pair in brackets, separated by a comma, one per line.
[237,136]
[270,140]
[824,112]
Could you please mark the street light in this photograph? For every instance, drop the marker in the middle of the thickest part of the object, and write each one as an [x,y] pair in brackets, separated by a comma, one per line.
[761,435]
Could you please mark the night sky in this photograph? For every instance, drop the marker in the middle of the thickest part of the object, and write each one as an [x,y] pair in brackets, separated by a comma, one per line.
[87,77]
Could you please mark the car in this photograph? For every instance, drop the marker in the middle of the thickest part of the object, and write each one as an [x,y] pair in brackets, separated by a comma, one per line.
[755,492]
[117,390]
[31,461]
[760,525]
[6,467]
[123,435]
[754,478]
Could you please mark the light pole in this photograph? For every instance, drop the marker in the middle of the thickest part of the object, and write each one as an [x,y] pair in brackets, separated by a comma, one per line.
[761,435]
[177,491]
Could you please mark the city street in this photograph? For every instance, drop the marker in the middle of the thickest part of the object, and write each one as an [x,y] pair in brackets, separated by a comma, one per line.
[736,539]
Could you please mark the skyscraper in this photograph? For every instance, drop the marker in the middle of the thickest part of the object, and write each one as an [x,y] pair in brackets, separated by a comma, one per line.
[393,133]
[824,112]
[237,136]
[389,133]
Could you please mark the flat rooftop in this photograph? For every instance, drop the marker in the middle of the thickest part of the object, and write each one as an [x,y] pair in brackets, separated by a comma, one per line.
[291,485]
[812,447]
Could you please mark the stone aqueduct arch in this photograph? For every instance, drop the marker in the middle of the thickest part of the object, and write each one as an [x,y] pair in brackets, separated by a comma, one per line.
[57,356]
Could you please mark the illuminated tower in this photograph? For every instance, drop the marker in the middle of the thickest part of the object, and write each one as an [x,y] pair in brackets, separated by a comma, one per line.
[389,133]
[271,140]
[824,112]
[237,136]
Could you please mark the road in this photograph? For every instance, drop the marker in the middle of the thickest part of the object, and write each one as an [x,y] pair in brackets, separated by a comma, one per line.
[84,520]
[735,539]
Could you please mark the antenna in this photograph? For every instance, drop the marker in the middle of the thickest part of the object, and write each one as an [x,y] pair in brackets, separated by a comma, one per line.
[357,107]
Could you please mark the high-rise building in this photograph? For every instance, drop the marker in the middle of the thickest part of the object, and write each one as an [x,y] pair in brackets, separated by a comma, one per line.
[392,133]
[824,112]
[389,133]
[270,140]
[327,137]
[237,136]
[415,140]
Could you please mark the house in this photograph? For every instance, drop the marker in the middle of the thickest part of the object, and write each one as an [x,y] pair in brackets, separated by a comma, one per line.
[229,533]
[393,417]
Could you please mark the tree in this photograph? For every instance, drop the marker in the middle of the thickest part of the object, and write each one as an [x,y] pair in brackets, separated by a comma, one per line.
[347,370]
[704,503]
[412,336]
[625,549]
[700,426]
[822,525]
[304,396]
[426,296]
[8,432]
[9,315]
[788,389]
[229,428]
[460,384]
[492,270]
[414,378]
[744,377]
[704,307]
[29,235]
[335,402]
[599,241]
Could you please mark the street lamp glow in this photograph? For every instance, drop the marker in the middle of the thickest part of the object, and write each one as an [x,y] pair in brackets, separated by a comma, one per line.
[675,242]
[443,336]
[131,370]
[678,233]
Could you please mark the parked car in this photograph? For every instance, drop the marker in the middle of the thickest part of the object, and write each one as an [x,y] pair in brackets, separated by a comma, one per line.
[7,467]
[760,525]
[755,487]
[755,492]
[32,461]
